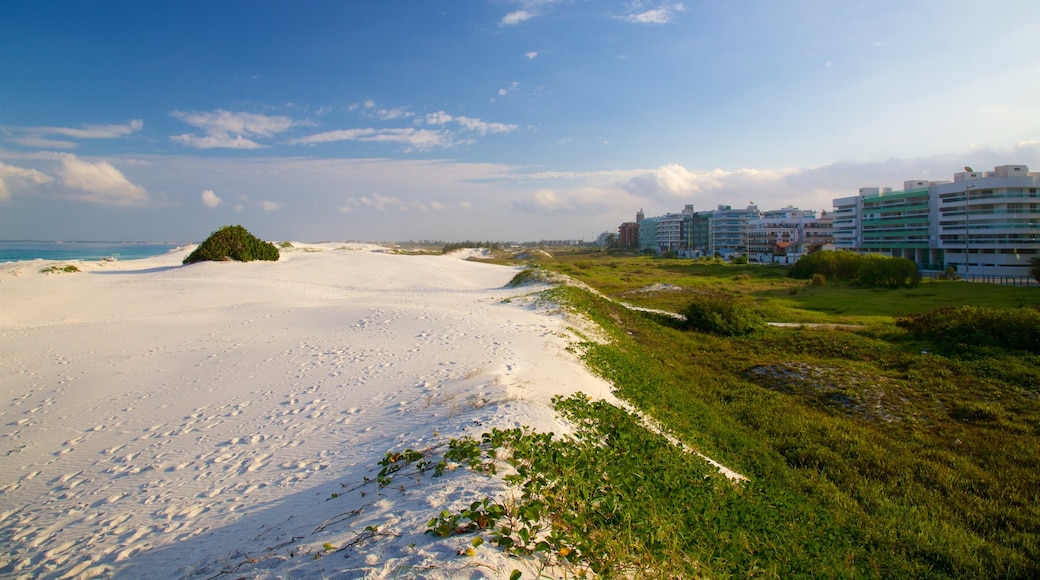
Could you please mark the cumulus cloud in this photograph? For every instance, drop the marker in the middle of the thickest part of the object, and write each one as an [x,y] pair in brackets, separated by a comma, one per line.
[270,205]
[583,201]
[229,130]
[666,181]
[17,177]
[102,182]
[531,55]
[210,199]
[639,13]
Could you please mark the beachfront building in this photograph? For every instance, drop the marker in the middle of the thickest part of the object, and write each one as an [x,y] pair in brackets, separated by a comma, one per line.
[784,235]
[667,233]
[726,231]
[628,235]
[983,223]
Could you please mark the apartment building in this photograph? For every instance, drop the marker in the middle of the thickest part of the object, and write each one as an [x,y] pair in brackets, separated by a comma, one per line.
[784,235]
[981,223]
[666,233]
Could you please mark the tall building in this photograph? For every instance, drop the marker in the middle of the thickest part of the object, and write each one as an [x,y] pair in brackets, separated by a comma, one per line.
[981,223]
[728,230]
[628,235]
[666,233]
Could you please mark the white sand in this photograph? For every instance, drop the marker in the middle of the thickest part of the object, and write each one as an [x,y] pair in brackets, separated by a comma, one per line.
[166,421]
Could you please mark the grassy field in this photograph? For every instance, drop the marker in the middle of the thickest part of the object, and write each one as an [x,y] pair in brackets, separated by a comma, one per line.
[869,453]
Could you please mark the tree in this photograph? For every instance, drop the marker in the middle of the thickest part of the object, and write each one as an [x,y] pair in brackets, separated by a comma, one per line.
[1035,270]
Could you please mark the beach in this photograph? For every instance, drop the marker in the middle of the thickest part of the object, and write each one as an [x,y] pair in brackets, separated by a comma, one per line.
[226,419]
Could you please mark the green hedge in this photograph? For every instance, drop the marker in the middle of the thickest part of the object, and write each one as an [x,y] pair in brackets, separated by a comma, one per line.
[233,243]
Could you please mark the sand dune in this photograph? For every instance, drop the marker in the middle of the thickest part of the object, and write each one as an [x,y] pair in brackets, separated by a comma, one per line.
[164,421]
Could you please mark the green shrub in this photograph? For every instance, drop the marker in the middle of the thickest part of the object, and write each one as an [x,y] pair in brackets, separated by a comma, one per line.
[722,314]
[740,260]
[1034,271]
[819,280]
[233,243]
[833,265]
[869,270]
[978,326]
[448,248]
[59,269]
[882,272]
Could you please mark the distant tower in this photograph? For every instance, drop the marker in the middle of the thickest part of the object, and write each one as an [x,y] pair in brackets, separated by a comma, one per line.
[639,215]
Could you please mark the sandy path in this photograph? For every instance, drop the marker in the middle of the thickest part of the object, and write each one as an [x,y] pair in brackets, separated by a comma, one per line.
[167,421]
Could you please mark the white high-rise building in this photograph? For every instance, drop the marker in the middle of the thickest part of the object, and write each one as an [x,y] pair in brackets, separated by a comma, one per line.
[983,223]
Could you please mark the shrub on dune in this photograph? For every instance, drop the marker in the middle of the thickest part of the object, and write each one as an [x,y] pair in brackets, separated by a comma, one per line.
[233,243]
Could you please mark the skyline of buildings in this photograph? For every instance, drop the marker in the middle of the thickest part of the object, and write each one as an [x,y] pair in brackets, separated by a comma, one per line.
[980,223]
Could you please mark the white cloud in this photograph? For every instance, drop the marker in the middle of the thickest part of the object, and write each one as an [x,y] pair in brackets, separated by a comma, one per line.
[225,129]
[516,17]
[210,199]
[410,137]
[531,55]
[270,205]
[44,143]
[483,127]
[216,141]
[438,118]
[369,110]
[380,202]
[663,14]
[42,137]
[94,131]
[512,87]
[470,124]
[579,201]
[103,183]
[11,176]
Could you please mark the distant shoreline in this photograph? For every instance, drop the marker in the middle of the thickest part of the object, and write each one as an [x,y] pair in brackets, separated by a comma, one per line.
[31,250]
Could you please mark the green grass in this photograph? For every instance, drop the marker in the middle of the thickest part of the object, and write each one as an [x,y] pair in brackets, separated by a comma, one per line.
[870,453]
[784,299]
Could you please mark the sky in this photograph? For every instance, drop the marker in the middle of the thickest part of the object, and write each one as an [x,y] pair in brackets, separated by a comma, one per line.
[503,120]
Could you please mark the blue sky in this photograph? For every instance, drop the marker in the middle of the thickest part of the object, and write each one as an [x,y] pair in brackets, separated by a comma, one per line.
[498,119]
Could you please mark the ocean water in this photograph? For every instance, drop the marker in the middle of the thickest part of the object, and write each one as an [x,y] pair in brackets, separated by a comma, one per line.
[14,251]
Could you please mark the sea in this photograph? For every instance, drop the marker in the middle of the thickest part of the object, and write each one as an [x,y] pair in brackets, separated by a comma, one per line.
[15,251]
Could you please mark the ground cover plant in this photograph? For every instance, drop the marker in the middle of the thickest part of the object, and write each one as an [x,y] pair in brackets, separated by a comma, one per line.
[874,452]
[66,269]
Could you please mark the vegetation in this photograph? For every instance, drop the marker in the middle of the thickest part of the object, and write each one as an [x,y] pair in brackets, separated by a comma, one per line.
[451,247]
[1034,269]
[233,243]
[723,314]
[67,269]
[866,270]
[967,327]
[909,450]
